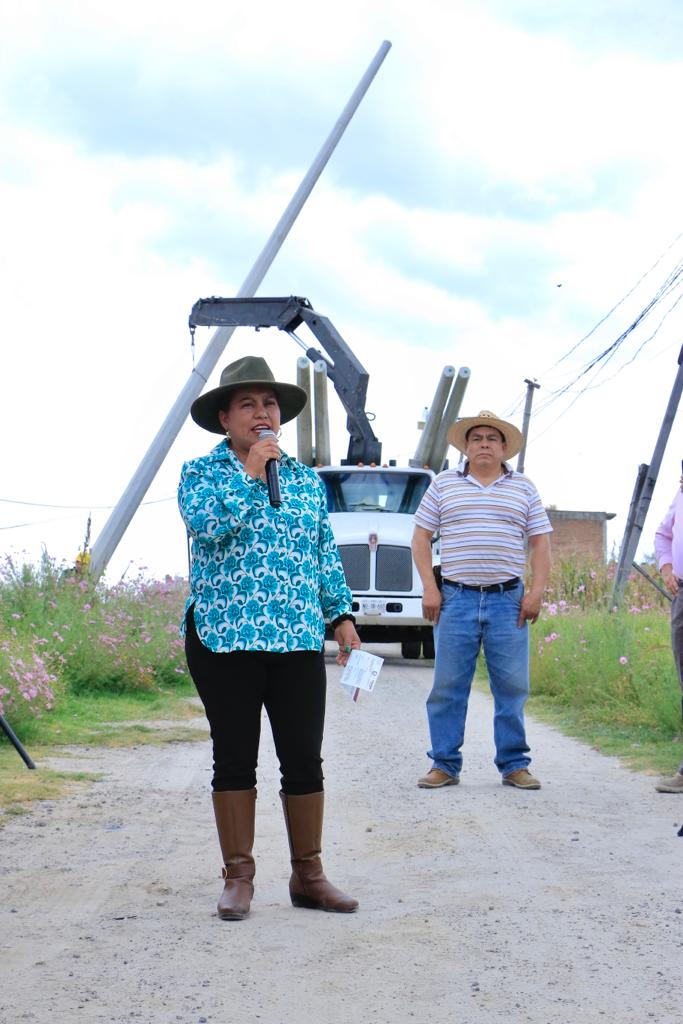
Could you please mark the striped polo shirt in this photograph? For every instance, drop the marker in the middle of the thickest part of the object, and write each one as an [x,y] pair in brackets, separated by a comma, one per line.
[483,529]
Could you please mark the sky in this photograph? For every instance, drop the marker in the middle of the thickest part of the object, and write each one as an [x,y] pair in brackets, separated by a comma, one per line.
[506,198]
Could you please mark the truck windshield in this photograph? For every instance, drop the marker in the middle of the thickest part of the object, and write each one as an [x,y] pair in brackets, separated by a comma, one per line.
[374,491]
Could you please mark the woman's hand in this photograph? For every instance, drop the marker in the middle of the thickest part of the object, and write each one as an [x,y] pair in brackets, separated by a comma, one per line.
[261,451]
[347,639]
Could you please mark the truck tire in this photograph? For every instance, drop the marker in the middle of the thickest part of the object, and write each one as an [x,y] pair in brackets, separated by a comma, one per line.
[428,649]
[410,649]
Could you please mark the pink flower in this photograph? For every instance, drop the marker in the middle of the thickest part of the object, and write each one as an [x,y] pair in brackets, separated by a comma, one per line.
[623,660]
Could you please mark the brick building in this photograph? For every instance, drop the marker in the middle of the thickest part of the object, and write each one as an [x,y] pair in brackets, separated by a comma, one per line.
[579,535]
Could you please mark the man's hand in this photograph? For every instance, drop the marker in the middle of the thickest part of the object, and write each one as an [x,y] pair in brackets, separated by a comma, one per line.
[422,555]
[670,581]
[539,557]
[530,608]
[431,603]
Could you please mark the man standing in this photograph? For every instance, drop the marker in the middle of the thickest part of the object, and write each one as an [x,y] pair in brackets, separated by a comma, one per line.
[485,513]
[669,555]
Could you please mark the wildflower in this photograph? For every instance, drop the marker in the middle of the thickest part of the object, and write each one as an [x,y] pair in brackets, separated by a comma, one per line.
[623,660]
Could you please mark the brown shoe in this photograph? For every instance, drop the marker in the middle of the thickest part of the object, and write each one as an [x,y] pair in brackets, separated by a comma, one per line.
[521,779]
[235,812]
[309,887]
[672,785]
[435,779]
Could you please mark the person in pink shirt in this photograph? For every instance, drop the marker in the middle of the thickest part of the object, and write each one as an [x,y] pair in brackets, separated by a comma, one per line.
[669,555]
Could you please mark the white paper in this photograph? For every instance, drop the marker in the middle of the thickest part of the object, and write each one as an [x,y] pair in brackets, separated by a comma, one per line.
[361,672]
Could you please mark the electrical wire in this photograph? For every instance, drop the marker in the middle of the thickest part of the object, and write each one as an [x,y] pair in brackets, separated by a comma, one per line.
[81,508]
[74,508]
[616,305]
[672,283]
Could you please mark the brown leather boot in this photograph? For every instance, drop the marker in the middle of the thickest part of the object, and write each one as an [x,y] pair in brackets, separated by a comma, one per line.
[308,886]
[235,811]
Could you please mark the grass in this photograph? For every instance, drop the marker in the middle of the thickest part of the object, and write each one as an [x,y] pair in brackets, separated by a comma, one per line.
[639,747]
[84,666]
[606,676]
[93,720]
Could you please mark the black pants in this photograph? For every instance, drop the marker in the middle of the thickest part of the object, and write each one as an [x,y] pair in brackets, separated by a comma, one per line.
[235,687]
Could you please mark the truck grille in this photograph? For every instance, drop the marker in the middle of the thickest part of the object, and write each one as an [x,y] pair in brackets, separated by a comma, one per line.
[356,561]
[393,568]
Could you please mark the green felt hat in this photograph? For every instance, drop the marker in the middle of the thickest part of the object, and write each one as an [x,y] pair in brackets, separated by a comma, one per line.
[248,372]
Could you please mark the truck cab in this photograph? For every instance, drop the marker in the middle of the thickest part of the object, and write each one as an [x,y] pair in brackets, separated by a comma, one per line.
[371,511]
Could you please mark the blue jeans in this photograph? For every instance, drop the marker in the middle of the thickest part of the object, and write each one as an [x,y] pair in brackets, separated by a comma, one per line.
[468,620]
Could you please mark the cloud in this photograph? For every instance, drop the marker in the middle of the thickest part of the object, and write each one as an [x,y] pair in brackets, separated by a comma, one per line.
[150,150]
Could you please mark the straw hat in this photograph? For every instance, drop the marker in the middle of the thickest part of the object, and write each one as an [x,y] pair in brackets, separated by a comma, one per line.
[512,436]
[248,372]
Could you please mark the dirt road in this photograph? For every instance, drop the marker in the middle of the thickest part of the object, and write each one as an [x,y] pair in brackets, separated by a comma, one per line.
[479,903]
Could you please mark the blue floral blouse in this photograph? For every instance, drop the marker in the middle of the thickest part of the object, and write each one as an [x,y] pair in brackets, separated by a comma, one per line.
[263,579]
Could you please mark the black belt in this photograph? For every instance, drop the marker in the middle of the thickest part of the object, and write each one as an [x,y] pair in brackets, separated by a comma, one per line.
[489,588]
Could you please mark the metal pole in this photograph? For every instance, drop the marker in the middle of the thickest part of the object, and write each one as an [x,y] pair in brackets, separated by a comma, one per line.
[630,520]
[655,584]
[12,737]
[304,421]
[431,427]
[116,525]
[530,388]
[629,544]
[437,456]
[321,417]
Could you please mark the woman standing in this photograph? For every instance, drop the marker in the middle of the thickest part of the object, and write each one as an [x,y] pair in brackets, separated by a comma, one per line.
[263,582]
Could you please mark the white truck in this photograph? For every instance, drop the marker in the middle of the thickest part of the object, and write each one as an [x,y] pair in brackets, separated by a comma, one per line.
[371,511]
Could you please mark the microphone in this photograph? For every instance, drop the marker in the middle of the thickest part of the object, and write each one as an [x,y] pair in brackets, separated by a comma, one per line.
[272,474]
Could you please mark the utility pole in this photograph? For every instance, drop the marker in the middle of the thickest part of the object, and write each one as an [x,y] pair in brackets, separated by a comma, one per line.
[430,430]
[642,494]
[304,421]
[531,386]
[436,456]
[116,525]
